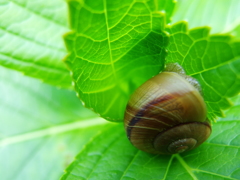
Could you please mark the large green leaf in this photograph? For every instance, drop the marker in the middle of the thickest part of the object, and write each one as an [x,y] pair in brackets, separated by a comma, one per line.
[114,47]
[39,142]
[42,128]
[104,65]
[31,39]
[112,157]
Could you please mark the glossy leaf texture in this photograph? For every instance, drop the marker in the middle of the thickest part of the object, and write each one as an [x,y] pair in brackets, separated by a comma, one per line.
[214,60]
[113,157]
[31,39]
[42,128]
[115,46]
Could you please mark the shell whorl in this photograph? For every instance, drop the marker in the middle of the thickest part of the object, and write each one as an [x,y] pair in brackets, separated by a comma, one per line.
[165,116]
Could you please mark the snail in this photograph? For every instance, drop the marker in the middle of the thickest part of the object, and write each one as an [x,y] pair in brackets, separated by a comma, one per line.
[167,114]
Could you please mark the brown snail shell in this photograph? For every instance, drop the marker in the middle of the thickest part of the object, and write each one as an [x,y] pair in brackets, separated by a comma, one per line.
[166,115]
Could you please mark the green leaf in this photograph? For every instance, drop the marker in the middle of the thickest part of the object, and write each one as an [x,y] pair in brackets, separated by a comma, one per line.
[46,137]
[42,128]
[214,60]
[221,16]
[236,32]
[31,39]
[114,47]
[111,156]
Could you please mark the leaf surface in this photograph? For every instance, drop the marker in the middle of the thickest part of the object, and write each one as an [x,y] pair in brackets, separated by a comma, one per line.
[220,16]
[214,60]
[111,156]
[42,128]
[31,39]
[108,66]
[114,47]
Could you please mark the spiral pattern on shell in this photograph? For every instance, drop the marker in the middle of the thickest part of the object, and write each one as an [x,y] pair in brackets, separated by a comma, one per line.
[166,115]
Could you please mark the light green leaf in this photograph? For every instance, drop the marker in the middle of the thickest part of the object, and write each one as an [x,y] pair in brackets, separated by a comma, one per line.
[214,60]
[114,47]
[221,16]
[31,39]
[42,128]
[111,156]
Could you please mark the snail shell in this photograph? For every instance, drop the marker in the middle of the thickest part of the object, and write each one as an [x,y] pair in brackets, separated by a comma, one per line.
[167,115]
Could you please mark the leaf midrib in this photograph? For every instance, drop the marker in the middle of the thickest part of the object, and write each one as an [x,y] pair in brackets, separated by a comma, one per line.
[52,131]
